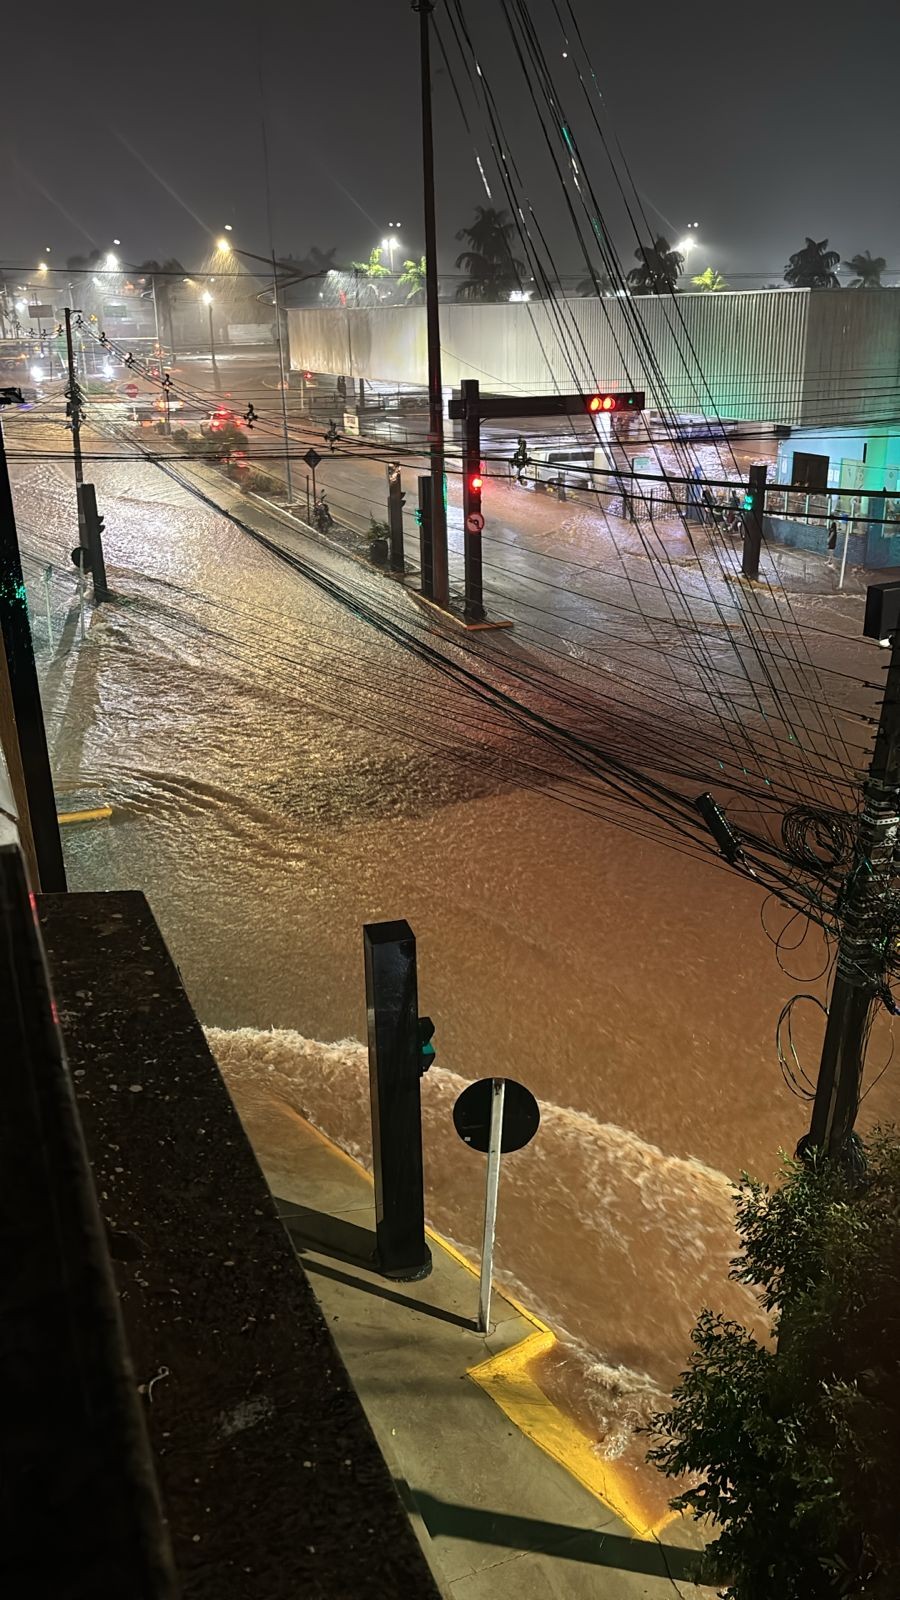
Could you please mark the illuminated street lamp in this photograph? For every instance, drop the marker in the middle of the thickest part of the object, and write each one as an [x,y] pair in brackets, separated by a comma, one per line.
[111,264]
[390,244]
[690,240]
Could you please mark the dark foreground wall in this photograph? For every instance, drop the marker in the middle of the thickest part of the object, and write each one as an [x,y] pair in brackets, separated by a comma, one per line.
[271,1479]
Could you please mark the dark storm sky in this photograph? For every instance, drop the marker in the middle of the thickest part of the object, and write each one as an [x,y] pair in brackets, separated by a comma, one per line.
[764,124]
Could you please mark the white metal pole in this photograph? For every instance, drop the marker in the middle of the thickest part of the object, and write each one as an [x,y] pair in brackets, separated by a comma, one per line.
[492,1187]
[844,556]
[81,599]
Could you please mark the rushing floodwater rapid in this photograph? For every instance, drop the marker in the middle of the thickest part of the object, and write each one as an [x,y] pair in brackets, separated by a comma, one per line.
[280,774]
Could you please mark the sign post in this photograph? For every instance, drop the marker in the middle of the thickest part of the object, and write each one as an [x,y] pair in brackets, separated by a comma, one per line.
[312,459]
[497,1116]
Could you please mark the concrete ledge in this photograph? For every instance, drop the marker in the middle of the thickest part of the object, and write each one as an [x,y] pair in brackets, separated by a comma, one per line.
[272,1482]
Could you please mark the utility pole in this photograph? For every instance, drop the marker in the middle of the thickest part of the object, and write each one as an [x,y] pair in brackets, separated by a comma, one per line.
[90,524]
[284,414]
[860,973]
[435,388]
[73,407]
[20,674]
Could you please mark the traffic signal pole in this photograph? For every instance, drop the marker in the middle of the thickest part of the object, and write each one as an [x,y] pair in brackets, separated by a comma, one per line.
[862,947]
[473,520]
[754,509]
[440,567]
[396,1063]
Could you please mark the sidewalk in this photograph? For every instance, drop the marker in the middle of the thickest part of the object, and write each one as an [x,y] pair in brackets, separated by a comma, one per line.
[497,1517]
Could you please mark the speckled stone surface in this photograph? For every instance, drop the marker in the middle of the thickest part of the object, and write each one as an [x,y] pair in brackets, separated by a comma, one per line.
[272,1481]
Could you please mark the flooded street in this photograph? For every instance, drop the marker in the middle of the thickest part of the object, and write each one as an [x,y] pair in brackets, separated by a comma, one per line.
[281,772]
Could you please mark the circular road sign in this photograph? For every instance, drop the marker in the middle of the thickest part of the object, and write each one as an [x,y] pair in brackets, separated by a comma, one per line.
[472,1116]
[475,522]
[81,558]
[132,391]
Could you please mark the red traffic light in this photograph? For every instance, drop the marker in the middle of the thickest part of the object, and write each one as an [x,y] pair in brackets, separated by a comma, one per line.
[476,483]
[602,402]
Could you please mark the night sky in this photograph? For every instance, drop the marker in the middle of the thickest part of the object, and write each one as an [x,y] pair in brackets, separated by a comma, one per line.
[766,125]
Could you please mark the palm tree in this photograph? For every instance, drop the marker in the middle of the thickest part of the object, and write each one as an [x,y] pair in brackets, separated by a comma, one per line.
[412,279]
[710,281]
[660,266]
[371,272]
[813,266]
[867,270]
[162,281]
[493,271]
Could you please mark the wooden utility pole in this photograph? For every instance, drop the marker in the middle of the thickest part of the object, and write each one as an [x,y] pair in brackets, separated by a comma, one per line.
[861,971]
[435,387]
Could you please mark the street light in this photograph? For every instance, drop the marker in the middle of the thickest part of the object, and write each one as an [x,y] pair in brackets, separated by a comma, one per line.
[112,262]
[390,245]
[223,246]
[42,266]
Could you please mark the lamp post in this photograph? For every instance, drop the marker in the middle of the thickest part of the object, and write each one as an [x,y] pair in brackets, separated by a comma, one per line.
[225,248]
[208,302]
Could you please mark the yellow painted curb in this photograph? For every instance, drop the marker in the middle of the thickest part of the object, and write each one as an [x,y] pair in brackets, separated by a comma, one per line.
[505,1377]
[506,1380]
[85,816]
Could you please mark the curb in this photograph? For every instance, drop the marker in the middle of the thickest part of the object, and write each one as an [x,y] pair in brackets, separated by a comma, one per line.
[507,1380]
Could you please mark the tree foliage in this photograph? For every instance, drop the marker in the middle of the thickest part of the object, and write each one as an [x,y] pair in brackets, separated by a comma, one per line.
[813,266]
[659,267]
[797,1443]
[866,269]
[412,279]
[710,281]
[493,272]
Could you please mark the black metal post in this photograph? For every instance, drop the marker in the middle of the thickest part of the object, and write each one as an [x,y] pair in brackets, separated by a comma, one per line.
[426,562]
[392,1009]
[441,585]
[93,539]
[753,522]
[395,515]
[473,520]
[26,697]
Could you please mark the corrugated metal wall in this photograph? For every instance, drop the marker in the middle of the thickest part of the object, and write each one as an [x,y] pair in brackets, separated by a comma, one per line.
[791,356]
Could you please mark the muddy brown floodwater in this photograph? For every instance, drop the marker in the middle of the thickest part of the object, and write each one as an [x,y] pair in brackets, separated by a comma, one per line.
[280,774]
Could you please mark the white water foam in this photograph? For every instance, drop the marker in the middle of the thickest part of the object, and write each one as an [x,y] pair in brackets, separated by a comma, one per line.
[615,1243]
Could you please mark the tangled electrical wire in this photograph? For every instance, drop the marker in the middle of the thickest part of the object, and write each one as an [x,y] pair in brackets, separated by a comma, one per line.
[818,840]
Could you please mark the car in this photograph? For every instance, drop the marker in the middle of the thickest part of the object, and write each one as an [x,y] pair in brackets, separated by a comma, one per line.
[219,420]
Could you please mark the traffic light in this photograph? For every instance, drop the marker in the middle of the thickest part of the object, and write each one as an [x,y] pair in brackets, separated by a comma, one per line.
[426,1048]
[749,501]
[476,483]
[604,403]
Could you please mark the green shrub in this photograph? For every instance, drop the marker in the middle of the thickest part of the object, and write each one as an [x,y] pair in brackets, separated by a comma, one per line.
[797,1441]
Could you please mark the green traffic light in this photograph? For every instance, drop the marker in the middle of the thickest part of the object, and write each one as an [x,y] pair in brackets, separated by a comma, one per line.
[748,502]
